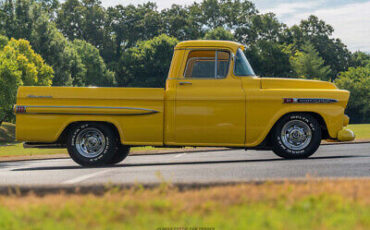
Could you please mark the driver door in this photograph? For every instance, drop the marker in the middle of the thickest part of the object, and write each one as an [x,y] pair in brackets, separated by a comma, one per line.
[210,102]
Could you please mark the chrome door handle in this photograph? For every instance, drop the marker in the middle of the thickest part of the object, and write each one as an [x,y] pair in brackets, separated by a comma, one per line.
[185,83]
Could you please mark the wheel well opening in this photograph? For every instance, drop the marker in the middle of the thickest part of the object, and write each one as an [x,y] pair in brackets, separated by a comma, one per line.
[324,131]
[64,135]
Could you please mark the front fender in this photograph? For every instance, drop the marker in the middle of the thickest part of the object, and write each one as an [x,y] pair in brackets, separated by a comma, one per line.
[332,115]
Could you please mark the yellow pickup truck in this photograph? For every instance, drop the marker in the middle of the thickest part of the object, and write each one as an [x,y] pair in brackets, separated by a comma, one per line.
[211,98]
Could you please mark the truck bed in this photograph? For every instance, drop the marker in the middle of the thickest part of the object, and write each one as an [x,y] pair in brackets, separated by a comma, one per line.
[49,110]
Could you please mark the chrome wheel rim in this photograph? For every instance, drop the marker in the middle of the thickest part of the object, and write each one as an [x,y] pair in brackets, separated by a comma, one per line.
[296,135]
[90,142]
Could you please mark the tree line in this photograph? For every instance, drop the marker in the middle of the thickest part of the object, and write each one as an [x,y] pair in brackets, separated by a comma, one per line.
[86,44]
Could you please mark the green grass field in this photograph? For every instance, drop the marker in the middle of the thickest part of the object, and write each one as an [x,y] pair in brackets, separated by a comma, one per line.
[362,131]
[323,205]
[7,133]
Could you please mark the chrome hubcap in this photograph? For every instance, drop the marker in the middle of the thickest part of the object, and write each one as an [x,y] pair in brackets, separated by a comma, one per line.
[296,135]
[90,142]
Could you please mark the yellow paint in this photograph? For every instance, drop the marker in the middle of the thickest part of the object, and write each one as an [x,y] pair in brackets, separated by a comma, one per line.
[346,135]
[134,129]
[345,120]
[231,111]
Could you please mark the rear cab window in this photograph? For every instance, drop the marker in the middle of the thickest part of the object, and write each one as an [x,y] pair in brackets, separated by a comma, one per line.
[205,64]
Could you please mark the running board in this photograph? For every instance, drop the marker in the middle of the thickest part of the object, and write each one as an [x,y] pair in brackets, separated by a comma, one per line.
[29,145]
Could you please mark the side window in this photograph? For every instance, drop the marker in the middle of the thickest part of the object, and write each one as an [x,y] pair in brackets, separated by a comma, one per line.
[207,64]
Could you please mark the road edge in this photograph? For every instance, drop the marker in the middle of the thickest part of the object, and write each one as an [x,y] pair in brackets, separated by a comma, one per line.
[147,153]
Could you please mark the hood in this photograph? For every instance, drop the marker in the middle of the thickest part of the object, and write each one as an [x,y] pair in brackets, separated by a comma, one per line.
[290,83]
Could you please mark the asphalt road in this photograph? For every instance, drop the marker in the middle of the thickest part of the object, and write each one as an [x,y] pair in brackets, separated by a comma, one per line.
[345,160]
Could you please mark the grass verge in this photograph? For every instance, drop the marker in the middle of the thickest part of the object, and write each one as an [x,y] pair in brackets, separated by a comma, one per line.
[362,131]
[7,133]
[330,204]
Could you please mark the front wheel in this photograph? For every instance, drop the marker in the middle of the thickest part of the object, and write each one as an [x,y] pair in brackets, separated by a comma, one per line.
[296,136]
[92,144]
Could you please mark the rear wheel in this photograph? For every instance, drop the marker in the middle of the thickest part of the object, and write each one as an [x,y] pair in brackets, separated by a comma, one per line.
[121,153]
[296,136]
[92,144]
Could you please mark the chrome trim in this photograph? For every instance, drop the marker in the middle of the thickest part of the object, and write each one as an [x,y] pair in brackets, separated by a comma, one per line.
[185,83]
[90,142]
[296,135]
[91,114]
[35,96]
[311,100]
[216,60]
[86,107]
[148,111]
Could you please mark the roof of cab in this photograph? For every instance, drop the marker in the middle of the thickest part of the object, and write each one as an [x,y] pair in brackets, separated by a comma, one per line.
[208,43]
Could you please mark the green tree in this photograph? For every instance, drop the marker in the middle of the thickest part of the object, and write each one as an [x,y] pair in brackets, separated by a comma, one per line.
[134,23]
[10,79]
[32,66]
[28,20]
[19,65]
[360,59]
[308,64]
[70,19]
[181,22]
[264,38]
[7,18]
[23,19]
[269,59]
[229,14]
[147,63]
[3,41]
[53,46]
[264,27]
[334,53]
[357,81]
[97,73]
[49,6]
[219,34]
[58,51]
[83,20]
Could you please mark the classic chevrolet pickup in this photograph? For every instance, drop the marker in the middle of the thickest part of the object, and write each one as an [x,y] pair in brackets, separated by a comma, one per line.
[212,98]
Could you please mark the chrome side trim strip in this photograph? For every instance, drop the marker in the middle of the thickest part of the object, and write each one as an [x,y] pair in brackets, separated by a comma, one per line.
[86,107]
[92,114]
[145,111]
[35,96]
[309,100]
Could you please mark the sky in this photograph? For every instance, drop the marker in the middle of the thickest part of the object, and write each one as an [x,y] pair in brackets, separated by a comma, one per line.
[350,18]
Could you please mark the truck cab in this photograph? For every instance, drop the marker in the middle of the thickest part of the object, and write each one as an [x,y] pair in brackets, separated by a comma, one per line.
[212,97]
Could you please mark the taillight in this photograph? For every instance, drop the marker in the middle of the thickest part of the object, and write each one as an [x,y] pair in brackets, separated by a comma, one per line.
[20,109]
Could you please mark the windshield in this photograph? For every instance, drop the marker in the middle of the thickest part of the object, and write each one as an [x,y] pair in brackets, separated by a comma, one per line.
[242,66]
